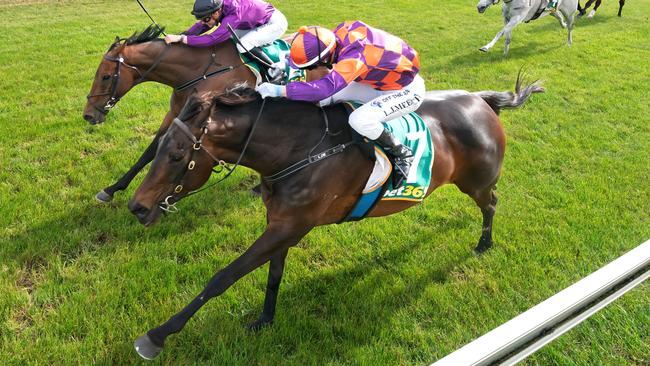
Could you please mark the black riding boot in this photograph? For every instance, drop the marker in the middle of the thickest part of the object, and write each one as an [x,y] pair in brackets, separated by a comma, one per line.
[402,155]
[273,75]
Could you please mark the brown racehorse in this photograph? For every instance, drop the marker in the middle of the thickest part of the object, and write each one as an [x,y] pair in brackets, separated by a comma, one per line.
[144,57]
[271,135]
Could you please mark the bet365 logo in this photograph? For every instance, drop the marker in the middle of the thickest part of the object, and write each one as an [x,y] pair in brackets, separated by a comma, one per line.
[407,191]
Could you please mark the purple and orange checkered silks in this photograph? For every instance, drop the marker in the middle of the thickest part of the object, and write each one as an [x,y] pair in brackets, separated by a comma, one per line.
[307,44]
[364,55]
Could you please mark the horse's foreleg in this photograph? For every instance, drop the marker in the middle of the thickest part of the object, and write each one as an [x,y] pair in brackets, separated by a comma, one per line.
[598,2]
[493,42]
[276,268]
[106,194]
[273,241]
[506,48]
[620,6]
[571,21]
[507,29]
[558,15]
[487,202]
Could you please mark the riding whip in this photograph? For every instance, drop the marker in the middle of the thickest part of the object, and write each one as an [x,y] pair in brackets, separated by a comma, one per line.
[154,22]
[248,52]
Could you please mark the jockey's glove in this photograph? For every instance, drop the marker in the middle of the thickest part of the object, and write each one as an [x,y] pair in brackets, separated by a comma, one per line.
[271,90]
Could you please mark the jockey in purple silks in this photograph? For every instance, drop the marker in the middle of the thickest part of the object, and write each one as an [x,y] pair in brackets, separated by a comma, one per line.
[368,65]
[255,22]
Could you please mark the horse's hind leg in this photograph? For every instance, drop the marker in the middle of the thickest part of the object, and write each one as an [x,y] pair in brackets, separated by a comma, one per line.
[571,21]
[620,6]
[276,267]
[487,202]
[581,10]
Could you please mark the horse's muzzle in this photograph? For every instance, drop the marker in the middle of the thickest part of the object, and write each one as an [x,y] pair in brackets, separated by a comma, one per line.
[94,117]
[92,120]
[481,9]
[147,217]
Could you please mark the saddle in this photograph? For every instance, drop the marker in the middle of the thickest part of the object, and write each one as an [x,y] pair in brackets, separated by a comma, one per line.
[276,51]
[540,11]
[414,133]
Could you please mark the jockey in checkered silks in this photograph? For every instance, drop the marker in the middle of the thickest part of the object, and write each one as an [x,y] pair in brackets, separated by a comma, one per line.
[368,65]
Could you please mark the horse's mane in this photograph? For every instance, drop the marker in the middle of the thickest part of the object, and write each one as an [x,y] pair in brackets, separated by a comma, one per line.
[192,107]
[150,33]
[239,93]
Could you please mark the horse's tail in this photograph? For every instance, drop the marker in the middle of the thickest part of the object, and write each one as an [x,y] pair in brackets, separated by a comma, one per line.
[508,99]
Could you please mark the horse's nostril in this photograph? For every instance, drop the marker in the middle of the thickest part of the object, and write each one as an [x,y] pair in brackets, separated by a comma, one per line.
[88,117]
[137,209]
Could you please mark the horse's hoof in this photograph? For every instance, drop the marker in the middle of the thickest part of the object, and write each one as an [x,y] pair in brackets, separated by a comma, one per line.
[482,247]
[257,325]
[483,49]
[146,348]
[104,197]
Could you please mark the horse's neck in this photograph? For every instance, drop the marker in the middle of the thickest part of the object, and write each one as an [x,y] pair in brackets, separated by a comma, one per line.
[278,140]
[176,63]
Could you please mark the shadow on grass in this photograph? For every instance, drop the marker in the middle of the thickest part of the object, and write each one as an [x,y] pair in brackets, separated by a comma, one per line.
[517,51]
[350,308]
[91,226]
[523,48]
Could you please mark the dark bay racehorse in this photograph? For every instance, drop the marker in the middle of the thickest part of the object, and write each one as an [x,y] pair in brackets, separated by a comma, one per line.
[583,11]
[144,57]
[269,136]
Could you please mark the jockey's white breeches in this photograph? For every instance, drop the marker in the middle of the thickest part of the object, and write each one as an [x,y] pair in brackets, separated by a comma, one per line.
[264,34]
[379,105]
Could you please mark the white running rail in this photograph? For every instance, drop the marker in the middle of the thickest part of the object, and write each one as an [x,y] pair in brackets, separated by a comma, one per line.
[521,336]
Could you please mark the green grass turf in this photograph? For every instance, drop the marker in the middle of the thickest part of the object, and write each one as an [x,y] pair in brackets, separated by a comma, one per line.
[79,281]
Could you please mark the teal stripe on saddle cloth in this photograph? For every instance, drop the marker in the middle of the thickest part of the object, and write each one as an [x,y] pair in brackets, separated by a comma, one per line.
[413,132]
[276,51]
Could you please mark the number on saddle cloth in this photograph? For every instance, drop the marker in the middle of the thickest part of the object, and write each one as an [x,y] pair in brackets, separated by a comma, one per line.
[412,132]
[276,51]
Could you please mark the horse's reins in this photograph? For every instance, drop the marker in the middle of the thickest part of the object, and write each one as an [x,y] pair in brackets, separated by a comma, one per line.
[112,101]
[119,60]
[169,203]
[311,157]
[168,206]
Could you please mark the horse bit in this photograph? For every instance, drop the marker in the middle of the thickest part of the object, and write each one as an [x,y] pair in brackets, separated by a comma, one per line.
[119,60]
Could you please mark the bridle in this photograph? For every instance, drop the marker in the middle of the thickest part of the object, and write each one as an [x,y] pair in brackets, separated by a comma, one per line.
[169,203]
[119,61]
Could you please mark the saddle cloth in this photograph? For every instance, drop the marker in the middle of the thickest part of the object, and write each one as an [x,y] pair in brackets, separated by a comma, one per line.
[413,132]
[276,51]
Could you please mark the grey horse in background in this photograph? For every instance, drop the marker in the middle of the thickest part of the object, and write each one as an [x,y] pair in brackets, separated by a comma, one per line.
[517,11]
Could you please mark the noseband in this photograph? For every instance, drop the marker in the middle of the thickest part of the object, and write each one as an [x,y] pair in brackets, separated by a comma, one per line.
[119,61]
[110,103]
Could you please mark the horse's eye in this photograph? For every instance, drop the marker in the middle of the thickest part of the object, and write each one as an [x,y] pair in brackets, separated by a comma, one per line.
[176,155]
[106,77]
